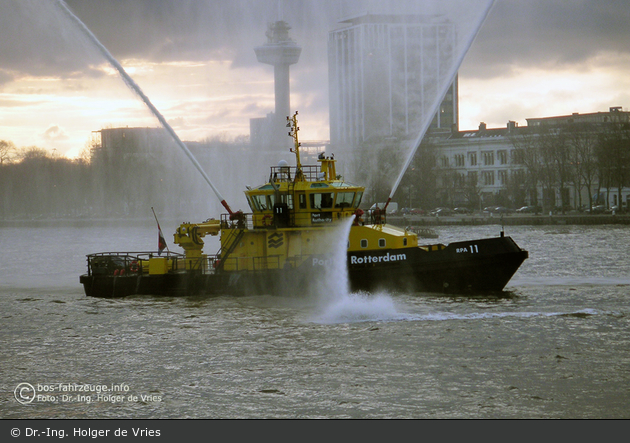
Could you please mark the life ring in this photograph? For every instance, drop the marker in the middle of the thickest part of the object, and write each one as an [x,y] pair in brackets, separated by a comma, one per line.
[133,267]
[267,220]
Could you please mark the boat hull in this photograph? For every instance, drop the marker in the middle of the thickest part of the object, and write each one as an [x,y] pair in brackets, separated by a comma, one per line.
[471,266]
[463,267]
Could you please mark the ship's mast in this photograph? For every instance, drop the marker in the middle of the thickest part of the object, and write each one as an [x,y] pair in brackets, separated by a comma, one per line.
[292,124]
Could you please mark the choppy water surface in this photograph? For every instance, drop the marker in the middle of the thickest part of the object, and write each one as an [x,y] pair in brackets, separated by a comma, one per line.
[556,344]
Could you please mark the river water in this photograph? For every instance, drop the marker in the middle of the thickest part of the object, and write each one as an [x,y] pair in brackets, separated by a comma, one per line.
[555,344]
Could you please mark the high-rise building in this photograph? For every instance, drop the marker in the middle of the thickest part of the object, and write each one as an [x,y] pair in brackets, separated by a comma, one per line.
[384,77]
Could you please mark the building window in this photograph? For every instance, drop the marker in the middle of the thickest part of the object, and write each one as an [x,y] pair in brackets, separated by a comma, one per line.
[503,177]
[503,157]
[460,180]
[472,178]
[488,178]
[488,158]
[460,160]
[445,162]
[472,158]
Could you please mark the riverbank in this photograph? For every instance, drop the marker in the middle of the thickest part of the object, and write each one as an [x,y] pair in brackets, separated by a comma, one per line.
[510,220]
[414,220]
[77,222]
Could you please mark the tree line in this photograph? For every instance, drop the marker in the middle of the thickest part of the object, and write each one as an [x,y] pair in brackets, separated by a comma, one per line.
[35,183]
[578,158]
[583,158]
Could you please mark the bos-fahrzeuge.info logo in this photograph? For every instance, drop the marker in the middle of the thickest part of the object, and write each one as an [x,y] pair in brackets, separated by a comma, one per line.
[26,393]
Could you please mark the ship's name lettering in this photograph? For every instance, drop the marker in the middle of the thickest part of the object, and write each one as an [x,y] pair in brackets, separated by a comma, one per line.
[377,258]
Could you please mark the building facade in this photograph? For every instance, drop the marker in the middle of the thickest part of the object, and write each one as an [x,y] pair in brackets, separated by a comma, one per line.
[573,161]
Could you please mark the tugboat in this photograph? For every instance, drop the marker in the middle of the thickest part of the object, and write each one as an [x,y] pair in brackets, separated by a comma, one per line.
[284,246]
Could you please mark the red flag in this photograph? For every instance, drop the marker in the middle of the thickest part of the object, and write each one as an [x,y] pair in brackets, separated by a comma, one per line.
[161,241]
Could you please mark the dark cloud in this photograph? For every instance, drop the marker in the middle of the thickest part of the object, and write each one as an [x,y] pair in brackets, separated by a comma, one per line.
[36,39]
[5,77]
[547,33]
[54,133]
[168,30]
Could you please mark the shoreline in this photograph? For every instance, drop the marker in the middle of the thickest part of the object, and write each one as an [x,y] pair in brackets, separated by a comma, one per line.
[511,220]
[402,221]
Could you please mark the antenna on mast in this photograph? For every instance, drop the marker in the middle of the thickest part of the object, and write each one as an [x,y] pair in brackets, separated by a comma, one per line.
[280,11]
[294,128]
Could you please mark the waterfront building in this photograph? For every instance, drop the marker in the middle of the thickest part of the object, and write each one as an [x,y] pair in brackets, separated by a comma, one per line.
[543,163]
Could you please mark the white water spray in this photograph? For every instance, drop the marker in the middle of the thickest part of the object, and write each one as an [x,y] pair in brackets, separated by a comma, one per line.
[337,304]
[136,89]
[443,87]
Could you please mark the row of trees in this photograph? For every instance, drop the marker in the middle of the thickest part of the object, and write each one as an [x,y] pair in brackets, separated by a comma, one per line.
[584,158]
[573,159]
[35,183]
[126,178]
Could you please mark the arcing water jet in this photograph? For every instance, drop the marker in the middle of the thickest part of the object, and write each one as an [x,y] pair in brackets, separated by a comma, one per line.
[438,99]
[136,89]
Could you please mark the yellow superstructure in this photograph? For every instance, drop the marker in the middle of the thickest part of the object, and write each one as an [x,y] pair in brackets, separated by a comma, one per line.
[288,220]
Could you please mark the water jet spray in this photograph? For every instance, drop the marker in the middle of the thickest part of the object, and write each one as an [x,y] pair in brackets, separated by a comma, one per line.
[136,89]
[452,73]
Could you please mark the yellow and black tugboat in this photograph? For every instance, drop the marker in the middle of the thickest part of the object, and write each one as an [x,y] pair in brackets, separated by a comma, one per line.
[285,243]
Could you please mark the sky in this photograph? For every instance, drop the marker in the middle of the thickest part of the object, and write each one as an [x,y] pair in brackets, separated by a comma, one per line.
[195,60]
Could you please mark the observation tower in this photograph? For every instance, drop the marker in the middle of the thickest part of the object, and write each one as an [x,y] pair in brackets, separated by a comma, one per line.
[280,51]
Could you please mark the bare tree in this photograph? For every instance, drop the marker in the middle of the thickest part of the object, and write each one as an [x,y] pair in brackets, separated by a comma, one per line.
[582,142]
[614,154]
[527,154]
[7,152]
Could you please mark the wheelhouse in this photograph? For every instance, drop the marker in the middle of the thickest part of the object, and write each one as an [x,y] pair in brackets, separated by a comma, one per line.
[297,196]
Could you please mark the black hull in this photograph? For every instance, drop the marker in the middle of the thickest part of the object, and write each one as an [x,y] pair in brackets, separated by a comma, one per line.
[464,267]
[472,266]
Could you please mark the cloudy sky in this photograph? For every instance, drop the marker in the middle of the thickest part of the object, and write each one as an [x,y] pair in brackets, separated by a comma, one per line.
[194,59]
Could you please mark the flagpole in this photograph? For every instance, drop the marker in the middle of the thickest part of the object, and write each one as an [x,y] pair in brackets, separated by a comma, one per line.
[160,229]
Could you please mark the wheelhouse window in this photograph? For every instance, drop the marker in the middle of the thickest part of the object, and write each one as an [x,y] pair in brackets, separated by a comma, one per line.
[288,199]
[260,203]
[344,199]
[271,199]
[323,200]
[357,199]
